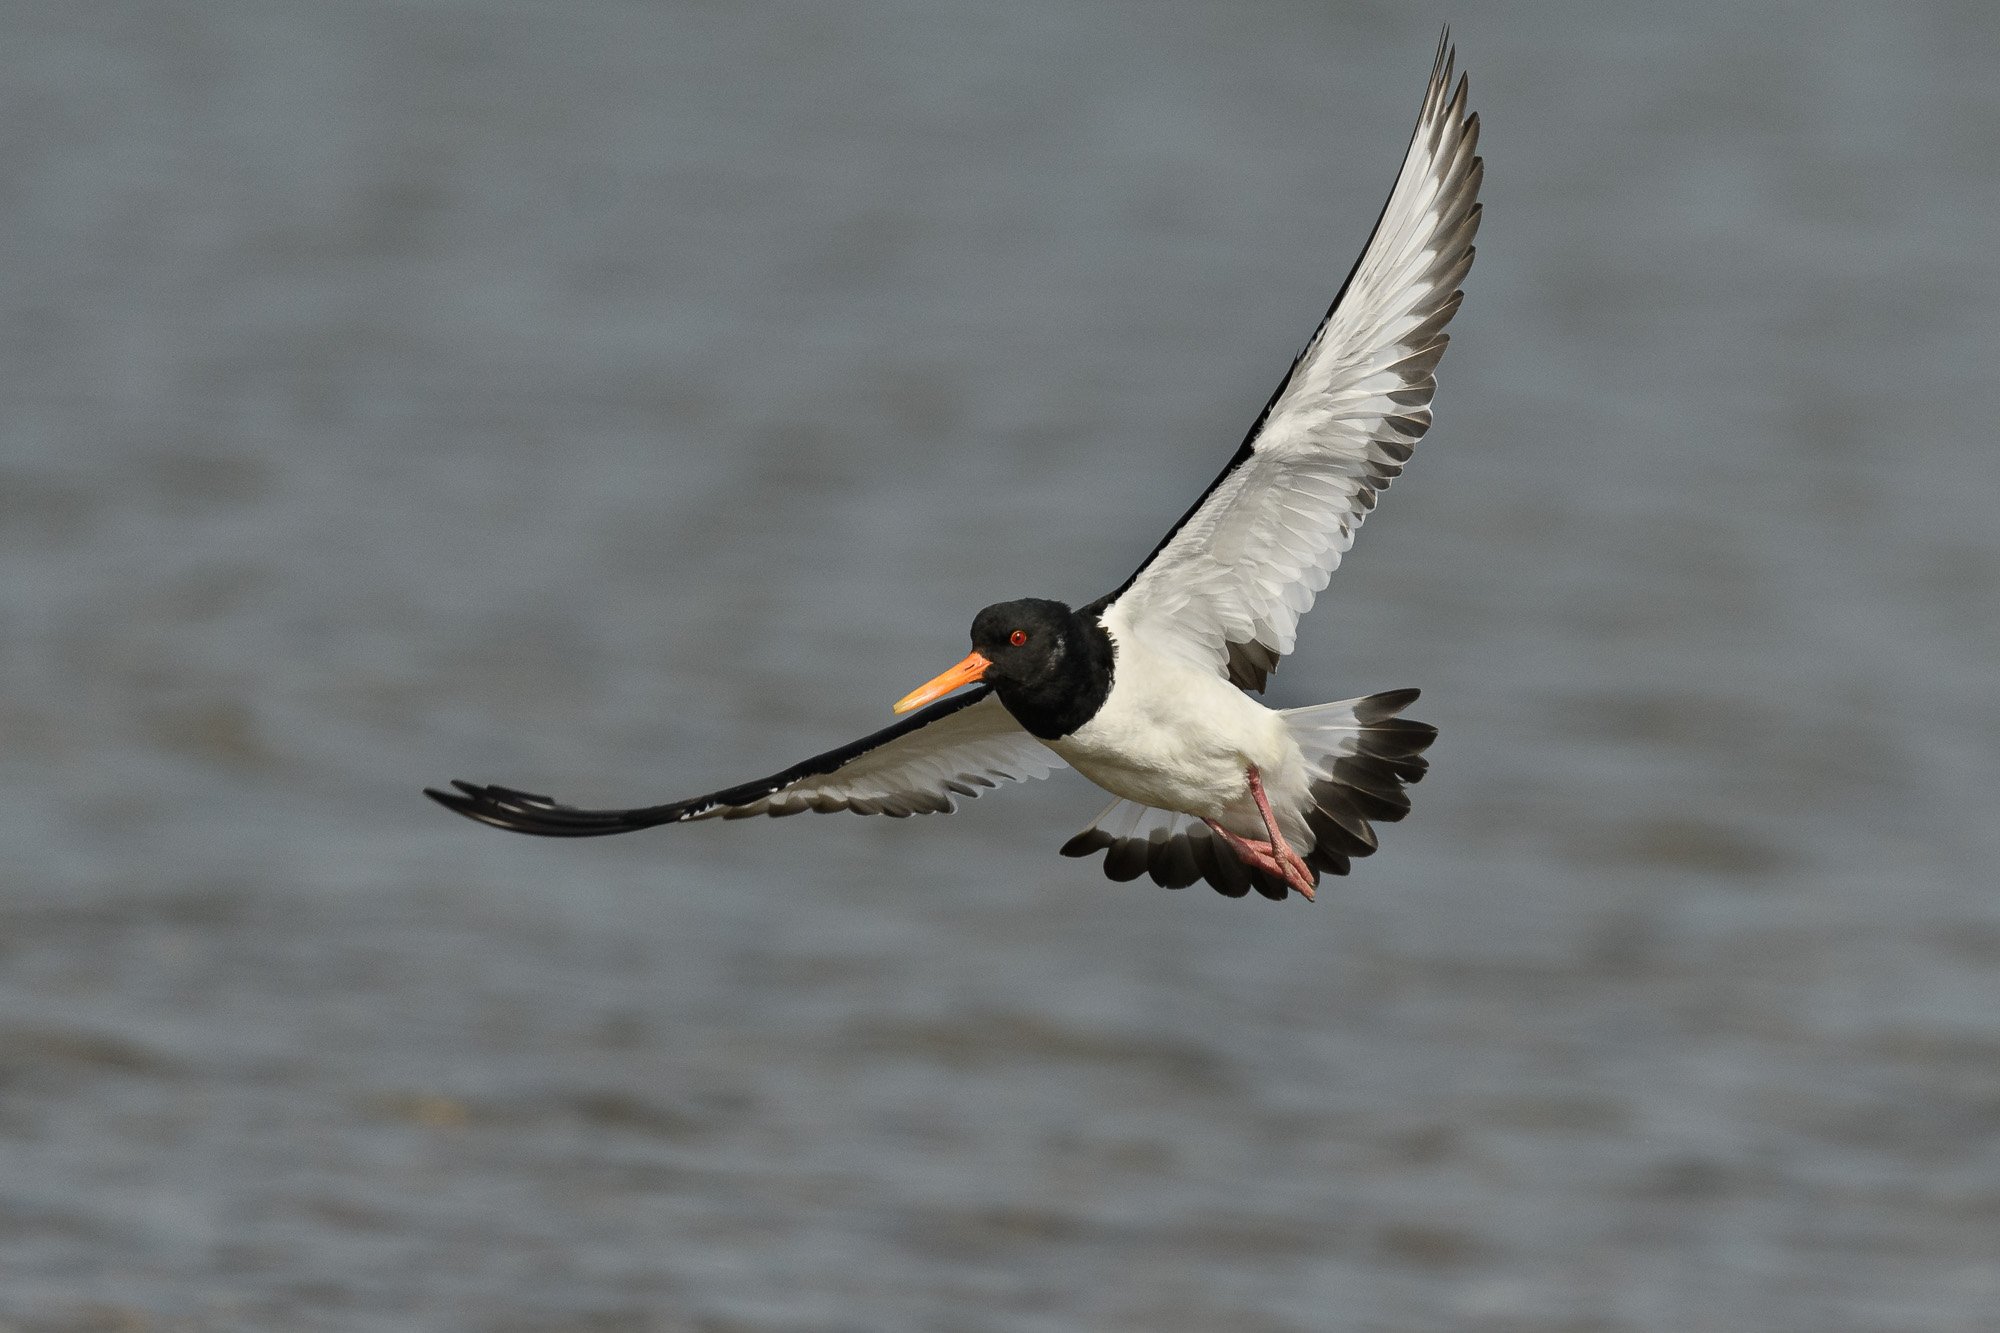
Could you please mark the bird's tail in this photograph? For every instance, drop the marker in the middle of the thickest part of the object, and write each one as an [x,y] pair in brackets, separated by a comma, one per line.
[1361,757]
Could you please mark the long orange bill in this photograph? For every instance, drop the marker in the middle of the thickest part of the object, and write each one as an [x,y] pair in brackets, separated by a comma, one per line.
[971,669]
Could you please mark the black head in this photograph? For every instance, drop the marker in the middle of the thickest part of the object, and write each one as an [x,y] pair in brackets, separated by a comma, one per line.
[1051,666]
[1024,640]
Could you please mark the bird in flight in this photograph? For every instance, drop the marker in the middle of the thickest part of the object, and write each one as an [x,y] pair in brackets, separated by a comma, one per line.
[1146,691]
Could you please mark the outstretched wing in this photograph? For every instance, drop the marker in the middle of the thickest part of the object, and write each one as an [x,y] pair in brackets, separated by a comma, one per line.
[1229,583]
[953,748]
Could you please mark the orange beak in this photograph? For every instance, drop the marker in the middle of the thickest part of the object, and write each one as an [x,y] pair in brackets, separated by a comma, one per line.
[971,669]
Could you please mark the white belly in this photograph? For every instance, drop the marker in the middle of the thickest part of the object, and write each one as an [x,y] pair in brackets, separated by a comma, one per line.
[1174,736]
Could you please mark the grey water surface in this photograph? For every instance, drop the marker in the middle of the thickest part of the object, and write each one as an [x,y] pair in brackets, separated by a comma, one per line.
[620,399]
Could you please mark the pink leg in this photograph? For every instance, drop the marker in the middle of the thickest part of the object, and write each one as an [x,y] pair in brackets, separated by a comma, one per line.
[1297,873]
[1275,856]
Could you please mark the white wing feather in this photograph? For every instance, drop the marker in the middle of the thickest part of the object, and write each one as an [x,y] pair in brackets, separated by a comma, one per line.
[1229,584]
[917,773]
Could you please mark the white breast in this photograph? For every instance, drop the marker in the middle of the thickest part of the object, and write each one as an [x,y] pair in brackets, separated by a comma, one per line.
[1175,735]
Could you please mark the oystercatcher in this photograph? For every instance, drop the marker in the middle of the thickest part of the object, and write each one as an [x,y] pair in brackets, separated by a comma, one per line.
[1145,691]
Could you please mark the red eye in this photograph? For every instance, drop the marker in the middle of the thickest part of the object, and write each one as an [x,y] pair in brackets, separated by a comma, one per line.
[1018,637]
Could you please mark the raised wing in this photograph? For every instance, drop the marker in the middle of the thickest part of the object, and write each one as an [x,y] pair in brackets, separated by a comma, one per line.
[1229,583]
[954,748]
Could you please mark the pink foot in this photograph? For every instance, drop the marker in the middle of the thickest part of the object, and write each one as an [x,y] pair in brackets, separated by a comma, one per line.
[1274,857]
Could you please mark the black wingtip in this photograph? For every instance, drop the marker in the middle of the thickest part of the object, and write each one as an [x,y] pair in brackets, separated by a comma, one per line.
[526,812]
[453,801]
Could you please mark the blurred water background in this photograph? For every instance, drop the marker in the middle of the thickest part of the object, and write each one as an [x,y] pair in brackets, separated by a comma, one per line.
[621,399]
